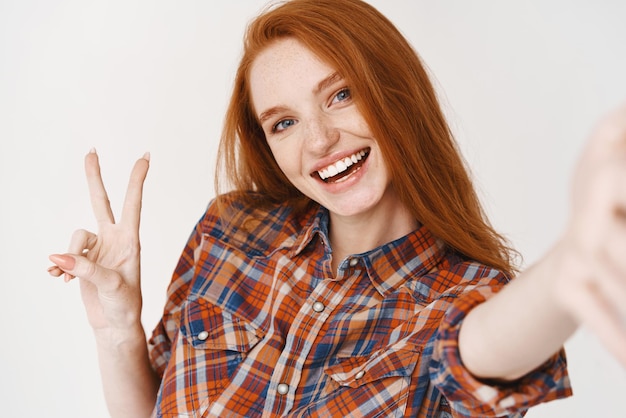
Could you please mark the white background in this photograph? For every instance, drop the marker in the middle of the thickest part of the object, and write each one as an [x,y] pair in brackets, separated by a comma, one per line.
[522,82]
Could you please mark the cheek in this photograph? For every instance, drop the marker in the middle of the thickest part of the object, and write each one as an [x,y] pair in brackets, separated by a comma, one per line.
[286,157]
[357,120]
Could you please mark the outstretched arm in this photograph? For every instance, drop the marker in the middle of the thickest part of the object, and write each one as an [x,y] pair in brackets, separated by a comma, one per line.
[108,267]
[580,281]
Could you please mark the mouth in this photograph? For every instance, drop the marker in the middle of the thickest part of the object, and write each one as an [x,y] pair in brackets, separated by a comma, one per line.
[342,169]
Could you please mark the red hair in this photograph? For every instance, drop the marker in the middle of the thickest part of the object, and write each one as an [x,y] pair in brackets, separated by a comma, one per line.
[396,98]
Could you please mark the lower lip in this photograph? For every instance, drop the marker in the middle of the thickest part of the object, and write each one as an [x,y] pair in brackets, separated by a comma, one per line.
[346,182]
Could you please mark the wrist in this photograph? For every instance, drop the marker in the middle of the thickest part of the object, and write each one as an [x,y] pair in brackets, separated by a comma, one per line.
[120,339]
[567,267]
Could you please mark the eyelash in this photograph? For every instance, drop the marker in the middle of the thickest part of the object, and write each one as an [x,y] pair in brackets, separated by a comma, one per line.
[345,90]
[275,126]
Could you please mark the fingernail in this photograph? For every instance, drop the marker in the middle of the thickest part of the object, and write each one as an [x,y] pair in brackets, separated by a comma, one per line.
[92,151]
[146,156]
[66,262]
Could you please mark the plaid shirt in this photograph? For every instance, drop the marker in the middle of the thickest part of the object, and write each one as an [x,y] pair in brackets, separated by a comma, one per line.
[257,325]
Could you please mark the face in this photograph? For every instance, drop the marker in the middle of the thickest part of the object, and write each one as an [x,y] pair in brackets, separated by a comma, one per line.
[317,134]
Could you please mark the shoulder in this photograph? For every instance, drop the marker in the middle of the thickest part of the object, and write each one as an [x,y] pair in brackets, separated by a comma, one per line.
[465,275]
[468,283]
[454,276]
[472,272]
[248,223]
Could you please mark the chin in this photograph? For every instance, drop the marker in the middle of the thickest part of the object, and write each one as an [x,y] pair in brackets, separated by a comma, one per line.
[351,208]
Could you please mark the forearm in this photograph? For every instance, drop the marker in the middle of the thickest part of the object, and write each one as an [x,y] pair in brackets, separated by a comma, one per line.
[522,326]
[129,382]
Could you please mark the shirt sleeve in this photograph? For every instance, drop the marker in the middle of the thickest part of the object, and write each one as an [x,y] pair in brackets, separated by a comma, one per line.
[469,396]
[159,345]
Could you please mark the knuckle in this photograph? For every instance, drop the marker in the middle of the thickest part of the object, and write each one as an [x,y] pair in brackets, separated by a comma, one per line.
[114,284]
[79,233]
[90,270]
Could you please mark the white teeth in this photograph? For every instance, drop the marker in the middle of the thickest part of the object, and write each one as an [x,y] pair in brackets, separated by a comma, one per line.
[341,165]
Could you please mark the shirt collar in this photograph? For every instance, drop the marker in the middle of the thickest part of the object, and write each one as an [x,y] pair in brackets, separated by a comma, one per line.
[316,226]
[387,266]
[410,256]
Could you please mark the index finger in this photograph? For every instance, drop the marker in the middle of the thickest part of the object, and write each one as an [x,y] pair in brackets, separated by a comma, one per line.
[97,193]
[131,212]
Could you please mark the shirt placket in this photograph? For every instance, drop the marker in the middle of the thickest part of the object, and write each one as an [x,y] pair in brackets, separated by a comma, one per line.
[309,321]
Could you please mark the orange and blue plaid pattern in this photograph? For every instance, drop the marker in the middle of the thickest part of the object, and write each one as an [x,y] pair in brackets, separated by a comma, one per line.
[257,325]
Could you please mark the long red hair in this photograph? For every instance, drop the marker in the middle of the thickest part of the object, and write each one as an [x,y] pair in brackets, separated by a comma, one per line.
[395,96]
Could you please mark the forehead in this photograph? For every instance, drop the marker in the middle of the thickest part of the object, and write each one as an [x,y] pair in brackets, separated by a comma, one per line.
[283,69]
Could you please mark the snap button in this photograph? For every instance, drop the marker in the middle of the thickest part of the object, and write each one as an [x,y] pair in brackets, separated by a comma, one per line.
[203,335]
[318,307]
[359,375]
[283,388]
[354,262]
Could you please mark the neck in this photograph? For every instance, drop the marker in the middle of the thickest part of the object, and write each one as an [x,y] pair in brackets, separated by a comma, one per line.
[364,232]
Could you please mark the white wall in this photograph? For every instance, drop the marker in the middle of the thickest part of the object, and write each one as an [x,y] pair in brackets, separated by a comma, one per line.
[523,83]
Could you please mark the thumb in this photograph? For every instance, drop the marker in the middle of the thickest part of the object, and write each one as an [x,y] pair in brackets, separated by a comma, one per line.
[79,266]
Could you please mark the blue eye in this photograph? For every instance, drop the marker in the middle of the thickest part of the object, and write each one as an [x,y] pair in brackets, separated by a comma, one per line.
[342,95]
[283,124]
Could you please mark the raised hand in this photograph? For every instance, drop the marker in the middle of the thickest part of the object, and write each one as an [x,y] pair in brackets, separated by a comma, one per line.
[594,288]
[580,281]
[108,263]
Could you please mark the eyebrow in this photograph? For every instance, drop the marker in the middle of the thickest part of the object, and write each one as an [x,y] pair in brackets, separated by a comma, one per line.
[327,82]
[271,112]
[321,86]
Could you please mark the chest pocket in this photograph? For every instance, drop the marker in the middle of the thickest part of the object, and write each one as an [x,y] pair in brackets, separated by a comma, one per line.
[216,342]
[383,376]
[359,370]
[211,328]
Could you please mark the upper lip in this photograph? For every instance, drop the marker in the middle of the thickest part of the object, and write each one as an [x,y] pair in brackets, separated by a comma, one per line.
[332,159]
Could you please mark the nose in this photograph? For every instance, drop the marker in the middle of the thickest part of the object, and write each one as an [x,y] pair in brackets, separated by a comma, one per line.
[322,134]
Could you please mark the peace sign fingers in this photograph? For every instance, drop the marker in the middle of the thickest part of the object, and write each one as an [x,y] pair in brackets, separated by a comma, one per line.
[131,212]
[97,193]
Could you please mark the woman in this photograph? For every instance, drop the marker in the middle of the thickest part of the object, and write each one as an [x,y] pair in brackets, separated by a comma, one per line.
[350,271]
